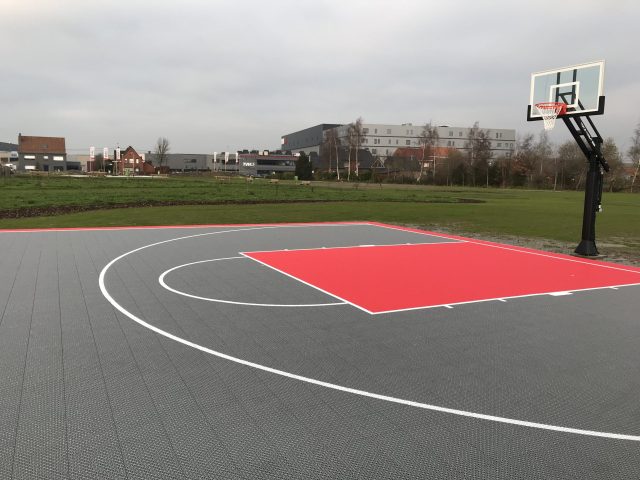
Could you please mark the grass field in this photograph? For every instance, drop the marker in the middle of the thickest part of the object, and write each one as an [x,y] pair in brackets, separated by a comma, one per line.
[544,219]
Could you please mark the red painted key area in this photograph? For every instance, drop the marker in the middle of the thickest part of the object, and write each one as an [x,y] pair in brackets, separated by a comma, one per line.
[389,278]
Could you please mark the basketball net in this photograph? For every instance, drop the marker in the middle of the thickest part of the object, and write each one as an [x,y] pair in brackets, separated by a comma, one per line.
[549,111]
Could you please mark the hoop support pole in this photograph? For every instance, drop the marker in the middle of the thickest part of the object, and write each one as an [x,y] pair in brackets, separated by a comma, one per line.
[590,144]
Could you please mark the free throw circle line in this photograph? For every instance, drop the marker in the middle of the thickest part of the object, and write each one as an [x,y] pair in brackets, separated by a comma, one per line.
[217,300]
[333,386]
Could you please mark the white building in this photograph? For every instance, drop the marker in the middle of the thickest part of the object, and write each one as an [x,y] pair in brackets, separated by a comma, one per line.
[382,140]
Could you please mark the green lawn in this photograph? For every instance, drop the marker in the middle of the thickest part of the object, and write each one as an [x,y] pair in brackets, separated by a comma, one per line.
[552,216]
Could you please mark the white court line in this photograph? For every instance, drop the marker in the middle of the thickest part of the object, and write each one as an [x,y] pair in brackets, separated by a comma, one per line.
[410,403]
[352,246]
[504,299]
[514,249]
[208,299]
[307,283]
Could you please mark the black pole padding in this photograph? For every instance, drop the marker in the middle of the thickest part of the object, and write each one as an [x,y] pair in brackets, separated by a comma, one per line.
[592,198]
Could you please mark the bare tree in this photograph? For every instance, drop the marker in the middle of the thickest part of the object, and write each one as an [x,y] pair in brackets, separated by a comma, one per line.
[332,144]
[354,139]
[525,160]
[428,140]
[478,151]
[358,137]
[336,145]
[351,141]
[544,149]
[634,153]
[573,166]
[614,179]
[161,152]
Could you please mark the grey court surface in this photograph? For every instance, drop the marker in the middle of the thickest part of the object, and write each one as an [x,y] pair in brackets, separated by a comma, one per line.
[105,373]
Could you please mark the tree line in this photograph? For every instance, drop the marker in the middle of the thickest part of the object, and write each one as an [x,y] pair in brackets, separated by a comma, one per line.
[535,162]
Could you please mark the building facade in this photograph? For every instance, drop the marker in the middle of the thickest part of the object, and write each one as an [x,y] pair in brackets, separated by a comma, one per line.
[182,162]
[8,153]
[382,140]
[308,140]
[130,163]
[252,164]
[47,154]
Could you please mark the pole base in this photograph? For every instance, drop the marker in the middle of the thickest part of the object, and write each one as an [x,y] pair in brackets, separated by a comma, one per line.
[587,248]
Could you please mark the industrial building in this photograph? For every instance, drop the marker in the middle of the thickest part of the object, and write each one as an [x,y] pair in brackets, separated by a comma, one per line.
[382,140]
[182,162]
[252,164]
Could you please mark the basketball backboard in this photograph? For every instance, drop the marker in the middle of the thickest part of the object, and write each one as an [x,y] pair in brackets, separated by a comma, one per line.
[581,87]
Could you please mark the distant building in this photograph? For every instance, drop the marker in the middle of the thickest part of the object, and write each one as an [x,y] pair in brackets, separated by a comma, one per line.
[131,163]
[255,164]
[382,140]
[8,153]
[81,160]
[226,161]
[47,154]
[182,162]
[307,140]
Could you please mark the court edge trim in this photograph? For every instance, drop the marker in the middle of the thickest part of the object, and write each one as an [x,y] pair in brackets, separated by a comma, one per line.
[425,406]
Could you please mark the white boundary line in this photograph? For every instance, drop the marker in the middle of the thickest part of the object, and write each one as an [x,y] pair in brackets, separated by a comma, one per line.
[208,299]
[306,283]
[514,249]
[559,293]
[410,403]
[445,305]
[351,246]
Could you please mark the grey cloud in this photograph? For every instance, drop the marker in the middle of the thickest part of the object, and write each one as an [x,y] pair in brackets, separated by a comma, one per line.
[212,75]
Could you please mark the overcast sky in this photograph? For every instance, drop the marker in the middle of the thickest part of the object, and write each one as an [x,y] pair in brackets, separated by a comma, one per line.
[214,75]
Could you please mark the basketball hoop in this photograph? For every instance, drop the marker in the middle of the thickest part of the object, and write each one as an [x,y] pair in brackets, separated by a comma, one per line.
[549,111]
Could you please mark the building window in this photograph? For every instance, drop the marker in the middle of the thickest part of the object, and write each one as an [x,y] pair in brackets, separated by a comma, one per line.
[460,133]
[57,158]
[365,130]
[397,141]
[30,157]
[408,142]
[374,151]
[499,145]
[389,141]
[388,131]
[375,130]
[451,133]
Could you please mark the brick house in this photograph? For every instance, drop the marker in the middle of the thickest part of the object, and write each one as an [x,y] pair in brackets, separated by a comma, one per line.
[131,163]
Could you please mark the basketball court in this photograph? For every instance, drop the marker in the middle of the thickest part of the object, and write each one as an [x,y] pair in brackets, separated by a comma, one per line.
[335,350]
